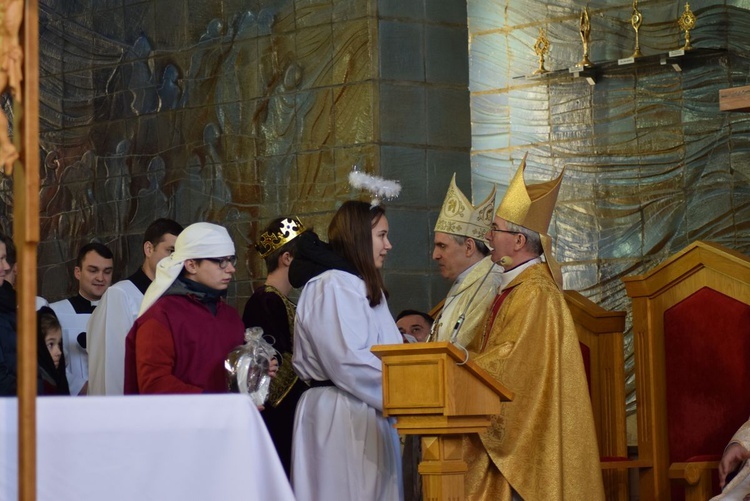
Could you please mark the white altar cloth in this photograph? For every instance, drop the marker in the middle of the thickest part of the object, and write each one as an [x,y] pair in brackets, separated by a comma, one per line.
[142,448]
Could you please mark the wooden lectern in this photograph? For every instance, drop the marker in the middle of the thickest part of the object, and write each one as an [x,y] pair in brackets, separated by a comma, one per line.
[434,394]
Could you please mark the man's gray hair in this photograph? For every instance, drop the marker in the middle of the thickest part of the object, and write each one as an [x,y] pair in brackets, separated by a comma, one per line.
[533,241]
[481,246]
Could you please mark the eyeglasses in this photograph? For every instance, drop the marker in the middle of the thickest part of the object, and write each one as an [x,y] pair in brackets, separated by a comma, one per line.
[506,231]
[223,262]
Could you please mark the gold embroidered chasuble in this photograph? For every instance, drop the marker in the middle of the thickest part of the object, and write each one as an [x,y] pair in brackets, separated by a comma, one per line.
[543,443]
[465,297]
[285,378]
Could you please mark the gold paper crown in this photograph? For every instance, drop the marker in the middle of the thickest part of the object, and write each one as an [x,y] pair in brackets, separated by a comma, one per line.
[530,206]
[287,230]
[459,217]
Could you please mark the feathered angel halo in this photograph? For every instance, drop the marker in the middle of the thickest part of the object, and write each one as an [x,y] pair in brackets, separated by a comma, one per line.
[379,187]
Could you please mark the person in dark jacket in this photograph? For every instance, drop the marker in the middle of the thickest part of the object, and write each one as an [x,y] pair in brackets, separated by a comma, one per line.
[50,356]
[270,308]
[8,349]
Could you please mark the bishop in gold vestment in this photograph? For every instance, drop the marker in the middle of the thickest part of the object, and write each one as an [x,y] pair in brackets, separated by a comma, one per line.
[463,257]
[542,446]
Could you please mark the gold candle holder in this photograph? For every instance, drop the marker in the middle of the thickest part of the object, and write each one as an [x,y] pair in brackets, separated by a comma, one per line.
[585,31]
[541,47]
[686,22]
[636,19]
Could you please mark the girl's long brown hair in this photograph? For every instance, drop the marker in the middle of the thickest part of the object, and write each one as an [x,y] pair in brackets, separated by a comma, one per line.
[350,236]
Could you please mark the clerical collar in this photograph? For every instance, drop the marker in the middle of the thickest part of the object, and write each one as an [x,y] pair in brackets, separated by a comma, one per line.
[82,305]
[510,275]
[140,280]
[462,276]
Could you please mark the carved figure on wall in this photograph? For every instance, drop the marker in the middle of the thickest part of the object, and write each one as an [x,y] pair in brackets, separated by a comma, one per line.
[75,201]
[169,91]
[11,73]
[48,185]
[229,85]
[117,189]
[151,202]
[266,20]
[279,126]
[204,66]
[212,173]
[190,201]
[141,80]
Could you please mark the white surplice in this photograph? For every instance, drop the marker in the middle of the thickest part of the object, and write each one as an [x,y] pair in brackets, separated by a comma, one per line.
[105,337]
[343,446]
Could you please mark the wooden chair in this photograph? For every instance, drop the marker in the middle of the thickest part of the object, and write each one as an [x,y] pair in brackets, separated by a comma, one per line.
[600,333]
[691,329]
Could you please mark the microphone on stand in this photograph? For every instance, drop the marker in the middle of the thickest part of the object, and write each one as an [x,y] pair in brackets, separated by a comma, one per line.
[504,263]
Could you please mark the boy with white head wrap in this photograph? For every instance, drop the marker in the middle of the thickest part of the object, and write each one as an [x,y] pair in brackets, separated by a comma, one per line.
[185,329]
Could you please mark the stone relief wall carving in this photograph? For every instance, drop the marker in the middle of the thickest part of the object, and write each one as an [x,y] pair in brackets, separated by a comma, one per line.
[142,118]
[241,114]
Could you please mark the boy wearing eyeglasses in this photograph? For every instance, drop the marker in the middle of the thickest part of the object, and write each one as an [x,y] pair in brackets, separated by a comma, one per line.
[185,329]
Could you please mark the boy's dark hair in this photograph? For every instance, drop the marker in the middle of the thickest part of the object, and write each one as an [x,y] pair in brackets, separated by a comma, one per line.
[97,247]
[272,260]
[160,227]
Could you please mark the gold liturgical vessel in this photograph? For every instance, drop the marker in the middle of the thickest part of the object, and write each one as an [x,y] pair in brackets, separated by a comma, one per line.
[541,47]
[636,19]
[585,31]
[686,22]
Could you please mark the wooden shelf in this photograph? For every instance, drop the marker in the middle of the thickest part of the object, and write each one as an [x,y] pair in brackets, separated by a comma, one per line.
[675,60]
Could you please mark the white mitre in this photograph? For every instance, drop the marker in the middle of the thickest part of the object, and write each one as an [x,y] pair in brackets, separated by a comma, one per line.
[459,217]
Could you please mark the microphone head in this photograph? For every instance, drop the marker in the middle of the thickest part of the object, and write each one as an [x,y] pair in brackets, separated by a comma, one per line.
[505,261]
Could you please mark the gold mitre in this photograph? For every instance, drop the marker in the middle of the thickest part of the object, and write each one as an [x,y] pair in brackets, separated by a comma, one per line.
[459,217]
[531,206]
[287,230]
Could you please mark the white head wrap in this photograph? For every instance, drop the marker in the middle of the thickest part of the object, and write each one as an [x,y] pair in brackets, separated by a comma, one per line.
[199,240]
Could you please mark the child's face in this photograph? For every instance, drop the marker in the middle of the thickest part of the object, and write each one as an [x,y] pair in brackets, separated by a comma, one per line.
[53,342]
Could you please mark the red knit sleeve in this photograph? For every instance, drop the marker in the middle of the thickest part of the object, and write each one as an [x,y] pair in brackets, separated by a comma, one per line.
[155,359]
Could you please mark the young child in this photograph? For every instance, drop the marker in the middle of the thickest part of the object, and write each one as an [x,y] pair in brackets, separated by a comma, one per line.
[52,380]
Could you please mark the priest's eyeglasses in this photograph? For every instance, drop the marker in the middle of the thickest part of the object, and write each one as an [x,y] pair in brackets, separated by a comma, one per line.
[506,231]
[223,262]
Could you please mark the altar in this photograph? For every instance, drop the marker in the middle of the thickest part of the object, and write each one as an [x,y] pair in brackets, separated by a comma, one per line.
[160,448]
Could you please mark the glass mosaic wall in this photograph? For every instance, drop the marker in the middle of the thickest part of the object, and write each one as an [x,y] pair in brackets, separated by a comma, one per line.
[651,163]
[238,111]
